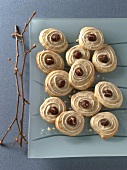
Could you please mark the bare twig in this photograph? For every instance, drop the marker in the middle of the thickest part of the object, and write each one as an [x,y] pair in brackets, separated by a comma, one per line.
[15,68]
[26,24]
[20,89]
[31,49]
[26,101]
[21,76]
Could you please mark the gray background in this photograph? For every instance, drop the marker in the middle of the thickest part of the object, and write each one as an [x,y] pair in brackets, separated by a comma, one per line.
[17,12]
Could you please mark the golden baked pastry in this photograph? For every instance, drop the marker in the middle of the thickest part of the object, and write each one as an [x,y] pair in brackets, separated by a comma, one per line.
[57,83]
[48,61]
[81,74]
[91,38]
[75,53]
[70,123]
[104,59]
[105,124]
[85,103]
[54,40]
[51,108]
[108,94]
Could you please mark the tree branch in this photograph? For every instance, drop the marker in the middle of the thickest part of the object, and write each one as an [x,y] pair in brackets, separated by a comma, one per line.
[20,89]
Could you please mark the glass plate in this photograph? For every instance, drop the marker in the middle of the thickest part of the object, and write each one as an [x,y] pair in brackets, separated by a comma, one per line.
[45,143]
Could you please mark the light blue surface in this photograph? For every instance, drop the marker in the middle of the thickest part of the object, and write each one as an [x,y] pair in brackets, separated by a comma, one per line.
[17,12]
[43,143]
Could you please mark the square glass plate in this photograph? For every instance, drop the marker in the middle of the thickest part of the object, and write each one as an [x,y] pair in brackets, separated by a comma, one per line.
[52,144]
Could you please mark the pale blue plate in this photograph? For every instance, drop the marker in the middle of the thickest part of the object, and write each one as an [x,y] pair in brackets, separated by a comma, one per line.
[52,144]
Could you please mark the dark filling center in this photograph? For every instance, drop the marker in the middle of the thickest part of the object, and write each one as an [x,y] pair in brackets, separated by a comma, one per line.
[77,54]
[72,121]
[104,58]
[55,37]
[85,103]
[104,122]
[53,110]
[79,71]
[92,37]
[107,93]
[61,83]
[49,60]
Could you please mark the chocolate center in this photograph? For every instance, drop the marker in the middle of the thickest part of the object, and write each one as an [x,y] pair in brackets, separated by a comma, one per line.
[79,71]
[55,37]
[92,37]
[107,93]
[49,60]
[104,58]
[72,121]
[104,122]
[85,104]
[77,54]
[53,110]
[61,83]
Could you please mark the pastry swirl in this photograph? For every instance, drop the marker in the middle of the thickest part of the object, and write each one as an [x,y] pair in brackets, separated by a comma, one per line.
[91,38]
[104,59]
[85,103]
[48,61]
[108,94]
[70,123]
[57,83]
[51,108]
[81,74]
[105,124]
[52,39]
[75,53]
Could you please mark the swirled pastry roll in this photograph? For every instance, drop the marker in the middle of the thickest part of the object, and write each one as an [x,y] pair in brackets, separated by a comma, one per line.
[85,103]
[108,94]
[70,123]
[75,53]
[105,124]
[81,74]
[91,38]
[57,83]
[52,39]
[48,61]
[104,59]
[51,108]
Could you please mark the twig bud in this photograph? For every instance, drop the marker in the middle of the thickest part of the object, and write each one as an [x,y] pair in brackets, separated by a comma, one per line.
[34,45]
[34,12]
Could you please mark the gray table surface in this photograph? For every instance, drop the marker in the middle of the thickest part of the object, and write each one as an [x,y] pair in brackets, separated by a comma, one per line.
[17,12]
